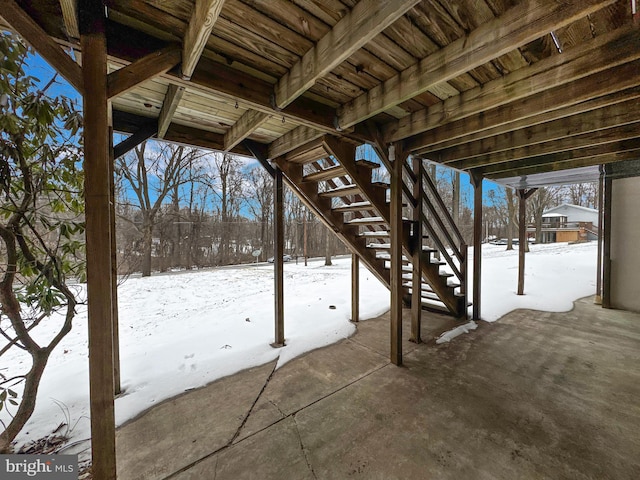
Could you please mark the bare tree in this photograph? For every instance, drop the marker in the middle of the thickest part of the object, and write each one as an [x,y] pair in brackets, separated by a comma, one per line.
[260,203]
[542,200]
[151,174]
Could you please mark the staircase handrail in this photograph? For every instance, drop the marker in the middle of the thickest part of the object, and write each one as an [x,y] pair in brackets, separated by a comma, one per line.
[445,212]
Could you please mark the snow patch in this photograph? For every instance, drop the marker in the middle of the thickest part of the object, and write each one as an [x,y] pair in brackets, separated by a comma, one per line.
[451,334]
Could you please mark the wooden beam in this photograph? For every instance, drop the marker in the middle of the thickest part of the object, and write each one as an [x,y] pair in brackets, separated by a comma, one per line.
[366,20]
[98,241]
[545,106]
[70,17]
[499,148]
[563,159]
[203,18]
[169,105]
[259,151]
[42,43]
[476,181]
[525,22]
[278,252]
[293,139]
[587,58]
[131,142]
[355,287]
[249,122]
[496,162]
[395,237]
[143,69]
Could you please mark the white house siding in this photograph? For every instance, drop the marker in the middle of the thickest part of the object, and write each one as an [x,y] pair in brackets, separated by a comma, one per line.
[575,213]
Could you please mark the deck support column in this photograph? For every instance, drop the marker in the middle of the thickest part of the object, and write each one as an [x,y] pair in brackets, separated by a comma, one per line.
[98,239]
[523,242]
[476,181]
[416,261]
[355,287]
[397,157]
[278,252]
[117,384]
[606,246]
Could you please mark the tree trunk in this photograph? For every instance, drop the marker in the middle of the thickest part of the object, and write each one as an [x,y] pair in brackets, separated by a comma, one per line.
[28,402]
[328,249]
[147,243]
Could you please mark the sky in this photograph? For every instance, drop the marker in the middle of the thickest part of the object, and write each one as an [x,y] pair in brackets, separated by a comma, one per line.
[183,330]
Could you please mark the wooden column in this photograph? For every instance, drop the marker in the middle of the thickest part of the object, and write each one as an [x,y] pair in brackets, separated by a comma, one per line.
[606,246]
[355,287]
[476,181]
[97,171]
[523,195]
[397,158]
[455,207]
[117,385]
[416,261]
[598,299]
[278,252]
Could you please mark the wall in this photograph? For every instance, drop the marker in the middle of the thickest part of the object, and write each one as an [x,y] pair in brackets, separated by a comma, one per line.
[625,238]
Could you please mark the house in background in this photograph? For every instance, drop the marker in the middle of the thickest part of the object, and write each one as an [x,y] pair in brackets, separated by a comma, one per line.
[569,223]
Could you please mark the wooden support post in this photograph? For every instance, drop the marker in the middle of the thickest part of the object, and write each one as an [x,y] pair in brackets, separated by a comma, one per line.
[598,299]
[98,239]
[416,261]
[606,246]
[117,385]
[476,181]
[397,158]
[355,287]
[278,252]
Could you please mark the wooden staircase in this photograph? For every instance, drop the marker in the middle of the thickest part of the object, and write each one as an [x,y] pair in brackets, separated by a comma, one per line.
[340,190]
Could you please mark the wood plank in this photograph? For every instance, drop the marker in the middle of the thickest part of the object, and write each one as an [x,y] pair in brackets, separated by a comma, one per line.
[42,43]
[563,149]
[326,174]
[131,142]
[416,279]
[169,106]
[485,151]
[615,48]
[245,126]
[292,140]
[519,25]
[98,241]
[204,16]
[70,17]
[142,70]
[542,105]
[358,27]
[582,157]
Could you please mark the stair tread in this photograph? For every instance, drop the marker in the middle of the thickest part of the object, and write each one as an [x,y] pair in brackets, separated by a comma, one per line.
[366,220]
[367,163]
[327,173]
[354,207]
[341,191]
[378,233]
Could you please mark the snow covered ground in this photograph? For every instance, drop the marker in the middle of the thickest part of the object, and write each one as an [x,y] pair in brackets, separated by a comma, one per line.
[181,331]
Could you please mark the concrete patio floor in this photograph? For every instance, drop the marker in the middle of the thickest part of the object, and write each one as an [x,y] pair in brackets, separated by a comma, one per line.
[535,395]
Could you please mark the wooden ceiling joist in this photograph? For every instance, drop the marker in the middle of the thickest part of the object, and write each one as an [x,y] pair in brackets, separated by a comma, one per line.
[366,20]
[473,154]
[615,48]
[169,105]
[203,18]
[42,43]
[521,24]
[245,126]
[145,68]
[293,139]
[70,15]
[554,100]
[499,160]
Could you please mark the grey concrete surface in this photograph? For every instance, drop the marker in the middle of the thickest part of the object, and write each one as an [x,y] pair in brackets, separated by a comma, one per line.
[533,396]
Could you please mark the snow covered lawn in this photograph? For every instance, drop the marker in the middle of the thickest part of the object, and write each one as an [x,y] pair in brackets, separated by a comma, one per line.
[183,330]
